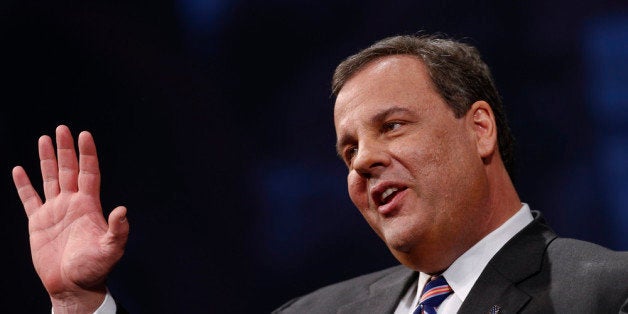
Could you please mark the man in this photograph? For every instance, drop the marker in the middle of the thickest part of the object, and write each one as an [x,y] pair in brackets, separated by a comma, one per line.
[421,128]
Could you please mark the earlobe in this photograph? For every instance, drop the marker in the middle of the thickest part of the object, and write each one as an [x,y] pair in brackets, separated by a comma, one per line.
[484,128]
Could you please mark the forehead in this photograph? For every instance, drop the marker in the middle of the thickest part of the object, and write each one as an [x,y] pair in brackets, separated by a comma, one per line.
[391,81]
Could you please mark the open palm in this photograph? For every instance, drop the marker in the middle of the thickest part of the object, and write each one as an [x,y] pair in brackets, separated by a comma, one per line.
[72,246]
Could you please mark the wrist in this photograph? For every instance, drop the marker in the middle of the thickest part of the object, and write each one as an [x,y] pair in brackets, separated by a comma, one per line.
[84,301]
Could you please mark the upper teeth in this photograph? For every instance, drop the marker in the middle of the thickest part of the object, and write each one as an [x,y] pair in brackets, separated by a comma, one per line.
[388,192]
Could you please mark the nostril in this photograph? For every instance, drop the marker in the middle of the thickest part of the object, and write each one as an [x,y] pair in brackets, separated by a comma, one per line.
[364,173]
[377,164]
[369,170]
[370,160]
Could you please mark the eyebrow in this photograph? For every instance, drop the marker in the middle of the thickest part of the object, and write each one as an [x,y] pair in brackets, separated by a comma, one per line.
[376,119]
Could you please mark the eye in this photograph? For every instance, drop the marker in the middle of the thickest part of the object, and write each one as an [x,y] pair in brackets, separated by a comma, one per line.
[391,126]
[350,153]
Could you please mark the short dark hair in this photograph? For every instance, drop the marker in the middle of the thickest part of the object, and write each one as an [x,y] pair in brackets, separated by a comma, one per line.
[456,69]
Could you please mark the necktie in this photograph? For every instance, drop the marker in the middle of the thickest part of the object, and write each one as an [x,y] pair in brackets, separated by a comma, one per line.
[434,293]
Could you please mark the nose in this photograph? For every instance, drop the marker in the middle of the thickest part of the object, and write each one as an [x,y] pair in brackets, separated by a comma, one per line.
[371,159]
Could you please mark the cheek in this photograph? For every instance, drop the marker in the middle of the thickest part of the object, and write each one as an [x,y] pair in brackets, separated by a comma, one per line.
[444,171]
[433,164]
[423,160]
[357,190]
[360,198]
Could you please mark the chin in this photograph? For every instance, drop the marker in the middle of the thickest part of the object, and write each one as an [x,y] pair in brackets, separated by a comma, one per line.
[406,258]
[398,243]
[404,247]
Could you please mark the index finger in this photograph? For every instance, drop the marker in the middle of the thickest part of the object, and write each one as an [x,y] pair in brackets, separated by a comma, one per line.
[28,195]
[89,172]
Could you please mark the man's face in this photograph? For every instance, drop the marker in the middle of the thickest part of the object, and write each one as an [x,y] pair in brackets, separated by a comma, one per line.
[415,172]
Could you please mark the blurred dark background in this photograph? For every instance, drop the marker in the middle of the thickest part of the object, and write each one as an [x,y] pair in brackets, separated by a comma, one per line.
[213,121]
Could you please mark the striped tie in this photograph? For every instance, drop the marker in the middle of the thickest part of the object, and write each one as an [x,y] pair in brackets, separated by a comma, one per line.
[434,293]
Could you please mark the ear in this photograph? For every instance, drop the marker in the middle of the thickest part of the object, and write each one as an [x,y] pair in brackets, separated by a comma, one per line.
[482,121]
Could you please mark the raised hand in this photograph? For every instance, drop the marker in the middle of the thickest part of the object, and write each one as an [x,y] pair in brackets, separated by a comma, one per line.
[72,246]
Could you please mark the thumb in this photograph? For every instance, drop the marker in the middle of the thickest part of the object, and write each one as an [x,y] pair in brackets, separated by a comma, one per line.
[118,227]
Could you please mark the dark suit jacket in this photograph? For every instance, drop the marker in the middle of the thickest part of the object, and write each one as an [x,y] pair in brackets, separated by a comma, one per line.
[535,272]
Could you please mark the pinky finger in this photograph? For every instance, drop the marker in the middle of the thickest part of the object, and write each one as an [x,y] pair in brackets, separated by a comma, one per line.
[29,197]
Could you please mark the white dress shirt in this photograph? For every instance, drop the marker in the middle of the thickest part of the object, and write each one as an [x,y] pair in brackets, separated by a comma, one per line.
[465,271]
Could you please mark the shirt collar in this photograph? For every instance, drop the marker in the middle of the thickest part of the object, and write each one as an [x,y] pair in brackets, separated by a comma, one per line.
[464,271]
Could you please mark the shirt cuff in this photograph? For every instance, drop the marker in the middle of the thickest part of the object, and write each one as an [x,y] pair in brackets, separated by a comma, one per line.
[108,306]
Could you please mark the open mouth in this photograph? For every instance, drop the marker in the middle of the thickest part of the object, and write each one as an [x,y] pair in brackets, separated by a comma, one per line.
[387,195]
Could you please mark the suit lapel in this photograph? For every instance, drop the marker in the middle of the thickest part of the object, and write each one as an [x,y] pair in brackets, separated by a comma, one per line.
[518,260]
[384,294]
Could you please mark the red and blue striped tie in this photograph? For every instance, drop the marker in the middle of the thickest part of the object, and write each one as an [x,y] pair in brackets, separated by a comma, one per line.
[434,293]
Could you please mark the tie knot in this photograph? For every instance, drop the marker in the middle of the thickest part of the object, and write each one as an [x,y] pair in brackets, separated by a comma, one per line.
[434,293]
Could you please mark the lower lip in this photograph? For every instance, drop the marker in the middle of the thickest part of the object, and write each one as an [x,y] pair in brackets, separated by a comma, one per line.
[390,207]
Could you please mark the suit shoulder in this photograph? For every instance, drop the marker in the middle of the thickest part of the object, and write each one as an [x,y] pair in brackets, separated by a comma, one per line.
[573,249]
[342,292]
[586,258]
